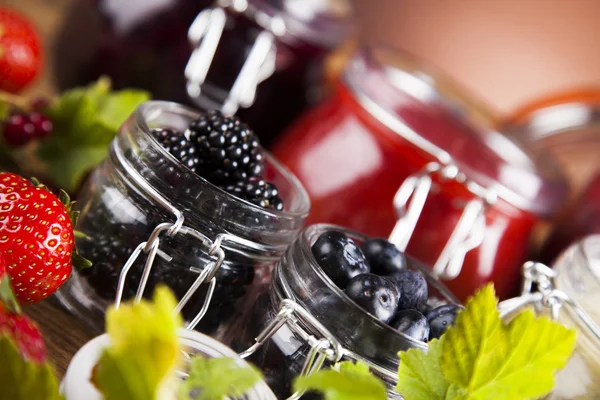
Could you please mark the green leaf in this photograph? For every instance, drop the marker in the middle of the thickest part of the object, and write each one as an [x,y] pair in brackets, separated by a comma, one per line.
[24,380]
[119,106]
[420,375]
[474,350]
[538,349]
[67,168]
[216,378]
[346,382]
[144,350]
[480,358]
[7,296]
[85,122]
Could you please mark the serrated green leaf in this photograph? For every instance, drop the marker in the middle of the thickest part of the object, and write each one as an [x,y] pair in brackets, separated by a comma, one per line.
[24,380]
[420,375]
[85,122]
[489,360]
[68,168]
[475,348]
[119,106]
[344,383]
[217,378]
[538,349]
[144,350]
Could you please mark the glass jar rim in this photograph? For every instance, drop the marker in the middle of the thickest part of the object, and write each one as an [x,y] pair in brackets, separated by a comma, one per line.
[304,248]
[556,115]
[301,210]
[381,78]
[201,343]
[325,22]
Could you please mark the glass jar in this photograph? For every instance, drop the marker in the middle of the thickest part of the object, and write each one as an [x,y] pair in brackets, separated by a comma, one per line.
[142,201]
[578,275]
[568,126]
[305,313]
[399,151]
[77,385]
[209,56]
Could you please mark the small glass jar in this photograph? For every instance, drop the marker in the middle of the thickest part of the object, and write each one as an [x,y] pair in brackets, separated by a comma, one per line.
[305,314]
[265,57]
[142,201]
[398,151]
[568,126]
[77,385]
[578,275]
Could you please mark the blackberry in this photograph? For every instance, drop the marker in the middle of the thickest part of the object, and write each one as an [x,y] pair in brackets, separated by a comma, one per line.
[257,191]
[179,146]
[227,148]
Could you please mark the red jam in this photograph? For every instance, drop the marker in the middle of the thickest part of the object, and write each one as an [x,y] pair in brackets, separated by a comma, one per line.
[352,163]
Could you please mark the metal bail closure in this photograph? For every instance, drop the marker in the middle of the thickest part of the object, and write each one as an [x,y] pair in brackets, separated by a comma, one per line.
[468,233]
[540,291]
[205,34]
[151,248]
[325,348]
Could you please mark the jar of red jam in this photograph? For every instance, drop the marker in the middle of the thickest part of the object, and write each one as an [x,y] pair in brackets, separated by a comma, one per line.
[306,320]
[147,220]
[568,126]
[265,58]
[398,151]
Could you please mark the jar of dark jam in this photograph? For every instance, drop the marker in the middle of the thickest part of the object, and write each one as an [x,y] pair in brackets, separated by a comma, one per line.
[305,314]
[265,58]
[401,152]
[146,220]
[568,126]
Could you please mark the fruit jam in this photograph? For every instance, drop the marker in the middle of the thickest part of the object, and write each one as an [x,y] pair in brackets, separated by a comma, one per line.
[385,123]
[147,46]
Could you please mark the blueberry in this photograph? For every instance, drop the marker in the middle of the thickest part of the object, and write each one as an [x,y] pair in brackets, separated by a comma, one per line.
[339,257]
[412,323]
[383,257]
[441,318]
[413,287]
[376,294]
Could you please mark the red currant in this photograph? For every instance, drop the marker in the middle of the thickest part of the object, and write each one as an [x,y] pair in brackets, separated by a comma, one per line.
[18,130]
[43,125]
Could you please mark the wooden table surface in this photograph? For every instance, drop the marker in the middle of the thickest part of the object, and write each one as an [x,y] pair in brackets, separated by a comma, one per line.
[64,334]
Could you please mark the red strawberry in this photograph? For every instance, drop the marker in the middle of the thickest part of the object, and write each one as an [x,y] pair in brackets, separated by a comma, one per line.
[20,329]
[36,238]
[20,51]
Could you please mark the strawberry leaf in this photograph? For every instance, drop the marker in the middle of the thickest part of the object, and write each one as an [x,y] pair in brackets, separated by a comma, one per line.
[217,378]
[7,296]
[24,380]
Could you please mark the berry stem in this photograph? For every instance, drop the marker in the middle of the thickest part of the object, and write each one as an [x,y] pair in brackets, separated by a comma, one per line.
[15,100]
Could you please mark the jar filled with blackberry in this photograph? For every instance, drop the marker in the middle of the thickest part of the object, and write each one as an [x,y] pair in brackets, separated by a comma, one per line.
[259,56]
[335,295]
[188,200]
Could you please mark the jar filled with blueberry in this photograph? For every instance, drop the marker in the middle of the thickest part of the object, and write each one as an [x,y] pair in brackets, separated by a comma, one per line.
[360,295]
[187,193]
